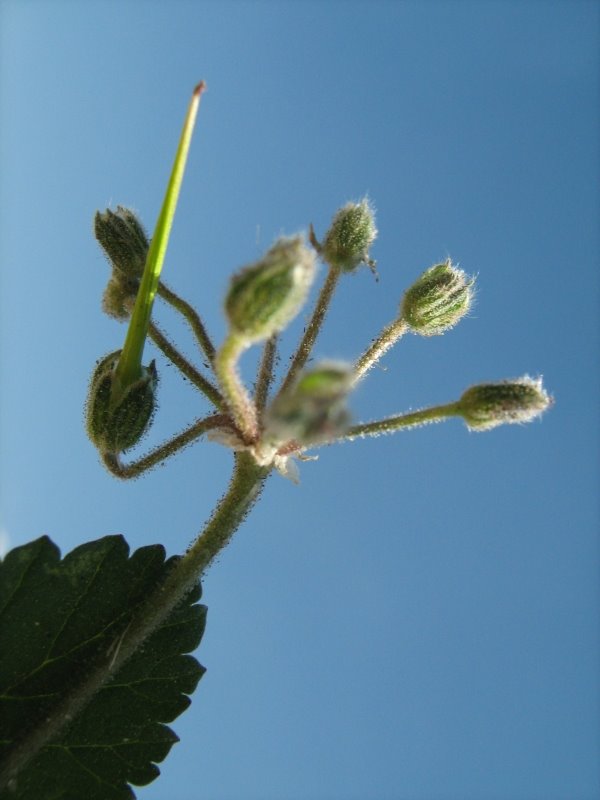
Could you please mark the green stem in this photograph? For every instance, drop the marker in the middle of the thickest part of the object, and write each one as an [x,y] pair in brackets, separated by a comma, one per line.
[411,420]
[192,317]
[312,329]
[388,337]
[245,487]
[125,471]
[196,377]
[238,400]
[129,367]
[265,374]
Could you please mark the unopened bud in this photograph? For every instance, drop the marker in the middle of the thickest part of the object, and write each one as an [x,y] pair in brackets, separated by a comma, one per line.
[314,408]
[438,300]
[264,297]
[119,297]
[124,241]
[352,232]
[118,418]
[491,404]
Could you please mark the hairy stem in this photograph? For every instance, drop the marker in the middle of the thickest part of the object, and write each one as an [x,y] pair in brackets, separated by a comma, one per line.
[238,400]
[411,420]
[244,489]
[125,471]
[312,329]
[192,317]
[181,362]
[388,337]
[265,374]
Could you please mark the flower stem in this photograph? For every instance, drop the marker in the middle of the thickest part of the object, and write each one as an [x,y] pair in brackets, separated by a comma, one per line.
[411,420]
[125,471]
[238,400]
[388,337]
[192,317]
[265,374]
[312,329]
[196,377]
[129,367]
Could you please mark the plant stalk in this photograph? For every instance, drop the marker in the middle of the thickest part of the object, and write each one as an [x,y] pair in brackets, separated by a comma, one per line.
[388,337]
[312,329]
[391,424]
[184,366]
[113,463]
[192,317]
[245,487]
[238,400]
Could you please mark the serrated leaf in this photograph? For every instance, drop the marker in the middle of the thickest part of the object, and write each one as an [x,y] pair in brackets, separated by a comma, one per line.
[57,619]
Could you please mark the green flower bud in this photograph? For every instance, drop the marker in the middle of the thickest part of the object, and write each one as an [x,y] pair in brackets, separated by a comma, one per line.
[438,300]
[491,404]
[264,297]
[117,419]
[352,232]
[314,408]
[119,297]
[124,241]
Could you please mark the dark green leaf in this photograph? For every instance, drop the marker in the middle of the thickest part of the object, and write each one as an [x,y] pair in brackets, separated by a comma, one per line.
[58,620]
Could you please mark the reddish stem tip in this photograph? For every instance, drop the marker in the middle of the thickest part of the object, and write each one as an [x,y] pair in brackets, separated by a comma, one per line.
[199,89]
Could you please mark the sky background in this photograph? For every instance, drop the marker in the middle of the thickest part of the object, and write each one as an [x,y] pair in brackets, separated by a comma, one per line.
[418,620]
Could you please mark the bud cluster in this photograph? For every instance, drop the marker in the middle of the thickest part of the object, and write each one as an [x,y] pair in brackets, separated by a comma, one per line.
[310,407]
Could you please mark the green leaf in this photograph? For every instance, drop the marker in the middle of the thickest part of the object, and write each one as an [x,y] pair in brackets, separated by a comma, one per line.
[60,620]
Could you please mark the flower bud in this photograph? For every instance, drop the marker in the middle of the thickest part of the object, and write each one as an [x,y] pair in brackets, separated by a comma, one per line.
[124,241]
[264,297]
[117,419]
[438,300]
[491,404]
[313,409]
[352,232]
[119,297]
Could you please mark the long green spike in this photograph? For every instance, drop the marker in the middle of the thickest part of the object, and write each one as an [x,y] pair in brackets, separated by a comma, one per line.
[130,363]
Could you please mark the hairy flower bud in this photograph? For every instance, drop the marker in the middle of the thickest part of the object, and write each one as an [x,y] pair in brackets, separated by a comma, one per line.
[124,241]
[438,300]
[119,297]
[491,404]
[264,297]
[352,232]
[313,409]
[117,420]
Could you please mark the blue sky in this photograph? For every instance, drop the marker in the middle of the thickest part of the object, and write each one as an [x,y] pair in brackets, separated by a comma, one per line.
[418,620]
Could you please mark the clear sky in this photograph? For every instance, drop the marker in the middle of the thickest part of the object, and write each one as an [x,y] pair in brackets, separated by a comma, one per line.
[418,620]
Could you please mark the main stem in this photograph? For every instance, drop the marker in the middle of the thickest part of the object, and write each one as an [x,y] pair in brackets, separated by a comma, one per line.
[245,487]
